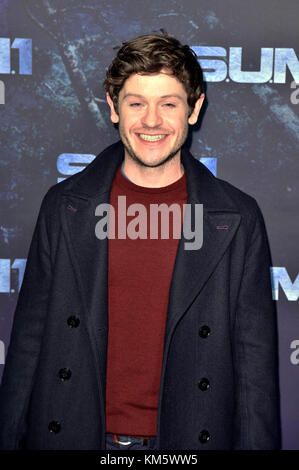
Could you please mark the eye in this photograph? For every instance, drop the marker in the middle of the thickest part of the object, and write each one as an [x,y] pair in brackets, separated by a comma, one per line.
[135,104]
[170,105]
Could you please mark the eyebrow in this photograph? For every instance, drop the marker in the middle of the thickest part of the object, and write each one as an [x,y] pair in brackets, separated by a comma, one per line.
[127,95]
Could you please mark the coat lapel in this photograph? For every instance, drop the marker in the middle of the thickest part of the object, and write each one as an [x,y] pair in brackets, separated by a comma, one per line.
[221,219]
[89,255]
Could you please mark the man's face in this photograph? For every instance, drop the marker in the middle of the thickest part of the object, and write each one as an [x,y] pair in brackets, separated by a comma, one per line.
[153,117]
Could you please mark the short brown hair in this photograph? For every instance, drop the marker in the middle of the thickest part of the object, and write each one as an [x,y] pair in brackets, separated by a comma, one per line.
[147,55]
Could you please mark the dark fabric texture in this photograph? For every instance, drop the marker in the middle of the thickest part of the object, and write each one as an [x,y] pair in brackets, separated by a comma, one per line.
[220,326]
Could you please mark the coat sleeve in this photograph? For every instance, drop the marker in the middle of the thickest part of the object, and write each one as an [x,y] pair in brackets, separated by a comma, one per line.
[257,407]
[26,336]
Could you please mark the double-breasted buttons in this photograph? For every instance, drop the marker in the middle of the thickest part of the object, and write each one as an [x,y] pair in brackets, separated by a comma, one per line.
[64,374]
[73,321]
[54,427]
[204,331]
[203,384]
[204,436]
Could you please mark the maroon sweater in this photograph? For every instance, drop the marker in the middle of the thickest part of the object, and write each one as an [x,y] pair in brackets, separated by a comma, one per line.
[139,278]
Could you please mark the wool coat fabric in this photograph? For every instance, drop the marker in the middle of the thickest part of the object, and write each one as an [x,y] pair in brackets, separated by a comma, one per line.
[219,386]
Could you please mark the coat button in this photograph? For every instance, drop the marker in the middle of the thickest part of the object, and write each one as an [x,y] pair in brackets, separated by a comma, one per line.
[204,384]
[73,322]
[54,426]
[204,331]
[65,374]
[204,436]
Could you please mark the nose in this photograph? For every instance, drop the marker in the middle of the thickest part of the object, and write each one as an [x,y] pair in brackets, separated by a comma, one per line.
[151,116]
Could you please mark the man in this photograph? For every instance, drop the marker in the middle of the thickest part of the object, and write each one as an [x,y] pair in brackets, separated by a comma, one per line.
[137,342]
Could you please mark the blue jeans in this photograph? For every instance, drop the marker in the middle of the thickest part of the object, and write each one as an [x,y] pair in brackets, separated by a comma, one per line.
[135,444]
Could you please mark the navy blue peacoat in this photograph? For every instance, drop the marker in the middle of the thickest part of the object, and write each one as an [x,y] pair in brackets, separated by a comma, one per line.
[219,385]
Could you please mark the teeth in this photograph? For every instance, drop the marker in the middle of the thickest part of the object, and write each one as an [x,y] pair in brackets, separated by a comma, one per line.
[152,138]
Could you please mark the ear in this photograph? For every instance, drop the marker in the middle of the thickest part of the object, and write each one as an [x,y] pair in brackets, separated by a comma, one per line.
[113,114]
[194,116]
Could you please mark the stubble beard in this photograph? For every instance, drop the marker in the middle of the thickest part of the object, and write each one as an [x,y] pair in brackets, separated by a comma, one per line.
[137,158]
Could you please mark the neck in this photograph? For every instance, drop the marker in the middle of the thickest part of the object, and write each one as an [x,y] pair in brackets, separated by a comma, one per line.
[156,177]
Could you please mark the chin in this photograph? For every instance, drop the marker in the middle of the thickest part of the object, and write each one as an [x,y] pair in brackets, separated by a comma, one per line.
[152,161]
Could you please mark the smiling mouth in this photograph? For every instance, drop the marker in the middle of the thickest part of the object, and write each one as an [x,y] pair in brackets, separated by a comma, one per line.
[152,138]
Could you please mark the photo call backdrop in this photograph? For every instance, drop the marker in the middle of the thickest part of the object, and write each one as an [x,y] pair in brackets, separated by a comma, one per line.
[54,120]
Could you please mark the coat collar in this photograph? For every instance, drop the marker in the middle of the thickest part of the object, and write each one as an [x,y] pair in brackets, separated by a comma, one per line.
[202,186]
